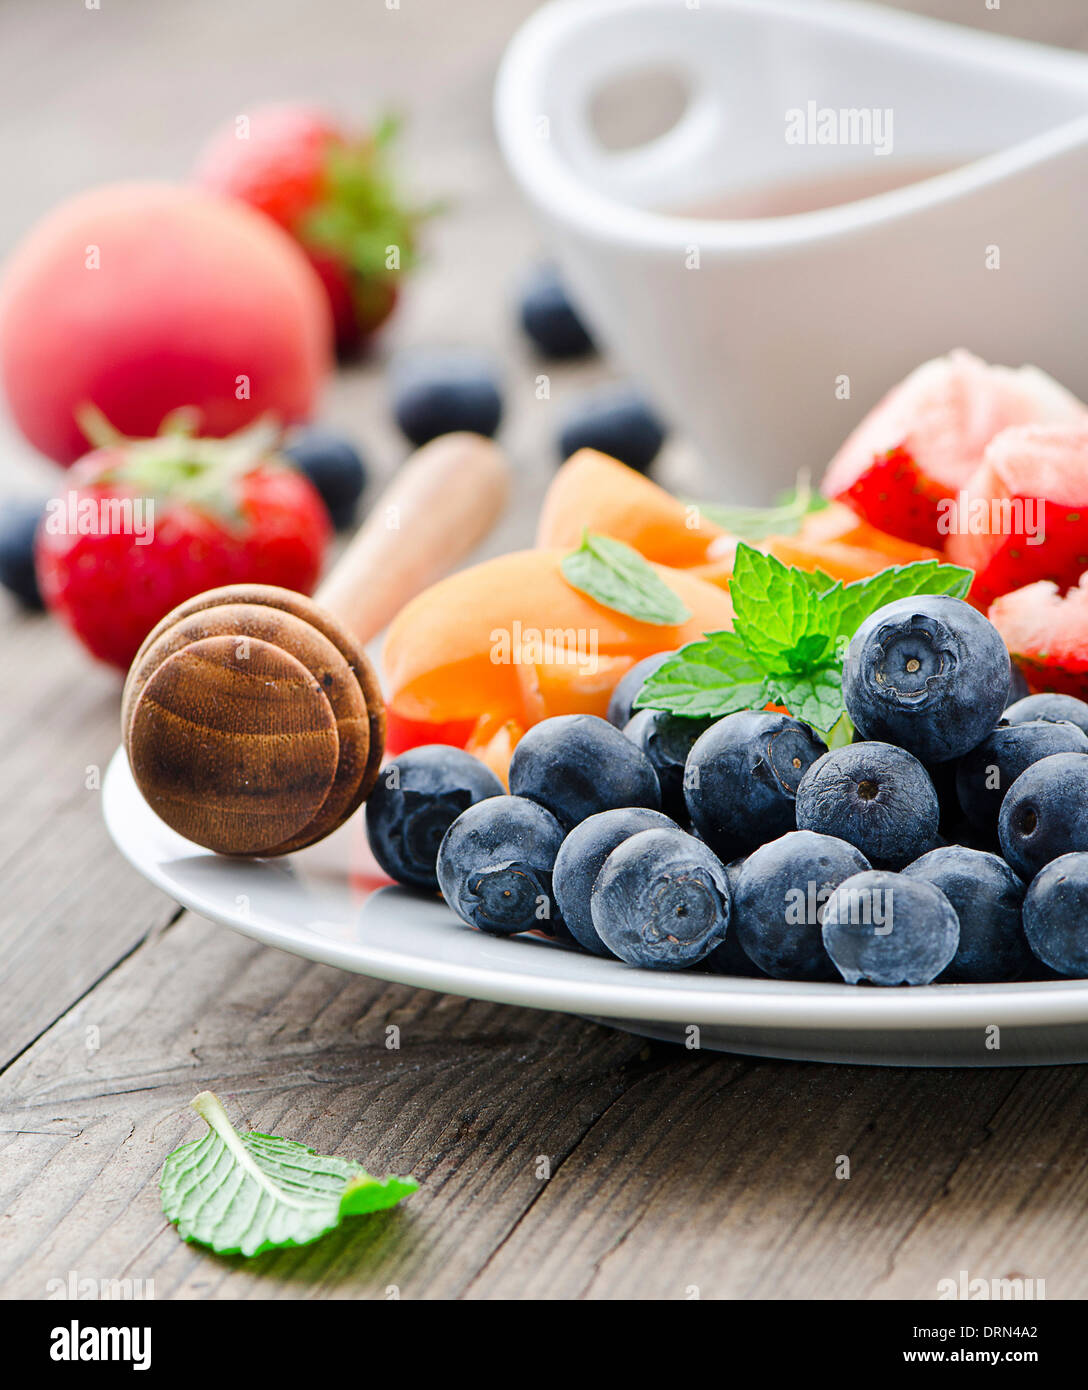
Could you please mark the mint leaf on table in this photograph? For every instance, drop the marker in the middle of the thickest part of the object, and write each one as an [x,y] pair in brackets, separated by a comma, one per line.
[245,1193]
[618,577]
[706,679]
[756,523]
[791,631]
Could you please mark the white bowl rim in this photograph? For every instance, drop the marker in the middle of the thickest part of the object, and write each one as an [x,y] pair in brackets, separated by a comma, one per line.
[567,199]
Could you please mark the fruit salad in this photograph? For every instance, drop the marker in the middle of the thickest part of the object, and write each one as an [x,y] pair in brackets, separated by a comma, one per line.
[836,739]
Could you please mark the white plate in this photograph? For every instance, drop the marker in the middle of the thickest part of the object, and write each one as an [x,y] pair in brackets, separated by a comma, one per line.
[328,904]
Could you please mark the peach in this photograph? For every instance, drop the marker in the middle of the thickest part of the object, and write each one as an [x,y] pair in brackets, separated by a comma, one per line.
[142,298]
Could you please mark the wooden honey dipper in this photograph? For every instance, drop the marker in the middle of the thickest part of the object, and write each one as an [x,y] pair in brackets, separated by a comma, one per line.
[252,718]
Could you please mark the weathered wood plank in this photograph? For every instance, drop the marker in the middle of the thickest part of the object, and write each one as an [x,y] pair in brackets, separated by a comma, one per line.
[472,1097]
[670,1172]
[71,909]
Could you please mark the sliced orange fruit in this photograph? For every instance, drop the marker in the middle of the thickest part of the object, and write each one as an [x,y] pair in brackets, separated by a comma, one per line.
[512,639]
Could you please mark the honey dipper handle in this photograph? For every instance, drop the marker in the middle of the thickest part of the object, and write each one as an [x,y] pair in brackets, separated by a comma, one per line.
[441,504]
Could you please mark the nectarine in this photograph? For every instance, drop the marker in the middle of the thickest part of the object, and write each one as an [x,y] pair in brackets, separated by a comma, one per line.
[142,298]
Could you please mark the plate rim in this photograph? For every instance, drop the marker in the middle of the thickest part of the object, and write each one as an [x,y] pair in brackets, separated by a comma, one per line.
[612,989]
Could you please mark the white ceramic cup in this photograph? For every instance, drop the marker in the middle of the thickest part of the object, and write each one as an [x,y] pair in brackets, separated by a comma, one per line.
[766,339]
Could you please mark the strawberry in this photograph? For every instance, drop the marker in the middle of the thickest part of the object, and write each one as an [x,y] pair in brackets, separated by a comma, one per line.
[1046,632]
[333,193]
[919,446]
[147,523]
[1023,514]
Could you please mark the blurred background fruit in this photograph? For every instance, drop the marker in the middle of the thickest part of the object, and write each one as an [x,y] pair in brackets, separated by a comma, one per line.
[335,467]
[142,298]
[618,421]
[548,316]
[333,190]
[19,517]
[440,392]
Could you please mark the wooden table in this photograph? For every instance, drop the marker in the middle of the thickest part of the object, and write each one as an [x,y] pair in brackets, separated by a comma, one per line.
[672,1174]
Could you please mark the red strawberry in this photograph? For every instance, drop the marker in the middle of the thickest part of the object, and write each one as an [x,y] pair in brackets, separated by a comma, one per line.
[334,194]
[145,524]
[1047,633]
[921,444]
[1023,515]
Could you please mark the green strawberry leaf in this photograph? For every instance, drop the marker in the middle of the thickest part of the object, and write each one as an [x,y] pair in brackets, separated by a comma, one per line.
[618,577]
[245,1193]
[706,680]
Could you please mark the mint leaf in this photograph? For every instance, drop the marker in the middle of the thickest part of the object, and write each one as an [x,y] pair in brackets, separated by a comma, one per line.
[617,576]
[778,612]
[858,600]
[813,696]
[706,679]
[244,1193]
[791,631]
[820,582]
[755,523]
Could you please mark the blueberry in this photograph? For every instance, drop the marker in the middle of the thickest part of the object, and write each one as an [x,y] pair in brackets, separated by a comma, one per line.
[1052,706]
[661,900]
[415,800]
[1018,686]
[986,896]
[985,774]
[930,674]
[621,704]
[667,739]
[943,777]
[495,866]
[878,797]
[19,519]
[618,422]
[741,778]
[581,858]
[577,765]
[1056,915]
[779,897]
[889,929]
[1045,813]
[441,393]
[334,466]
[729,958]
[548,316]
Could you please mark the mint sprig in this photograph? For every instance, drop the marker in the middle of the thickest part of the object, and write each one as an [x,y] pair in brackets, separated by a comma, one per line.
[791,631]
[618,577]
[246,1193]
[785,518]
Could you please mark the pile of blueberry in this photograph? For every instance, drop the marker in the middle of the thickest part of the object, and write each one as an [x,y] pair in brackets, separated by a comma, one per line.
[948,841]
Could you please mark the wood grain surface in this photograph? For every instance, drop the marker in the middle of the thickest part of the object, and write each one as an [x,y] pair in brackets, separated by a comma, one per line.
[558,1159]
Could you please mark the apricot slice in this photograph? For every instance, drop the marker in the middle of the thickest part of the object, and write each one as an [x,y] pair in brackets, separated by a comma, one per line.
[493,741]
[836,541]
[511,638]
[594,492]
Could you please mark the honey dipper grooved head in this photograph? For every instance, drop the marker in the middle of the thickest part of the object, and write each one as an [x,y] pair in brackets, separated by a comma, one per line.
[253,722]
